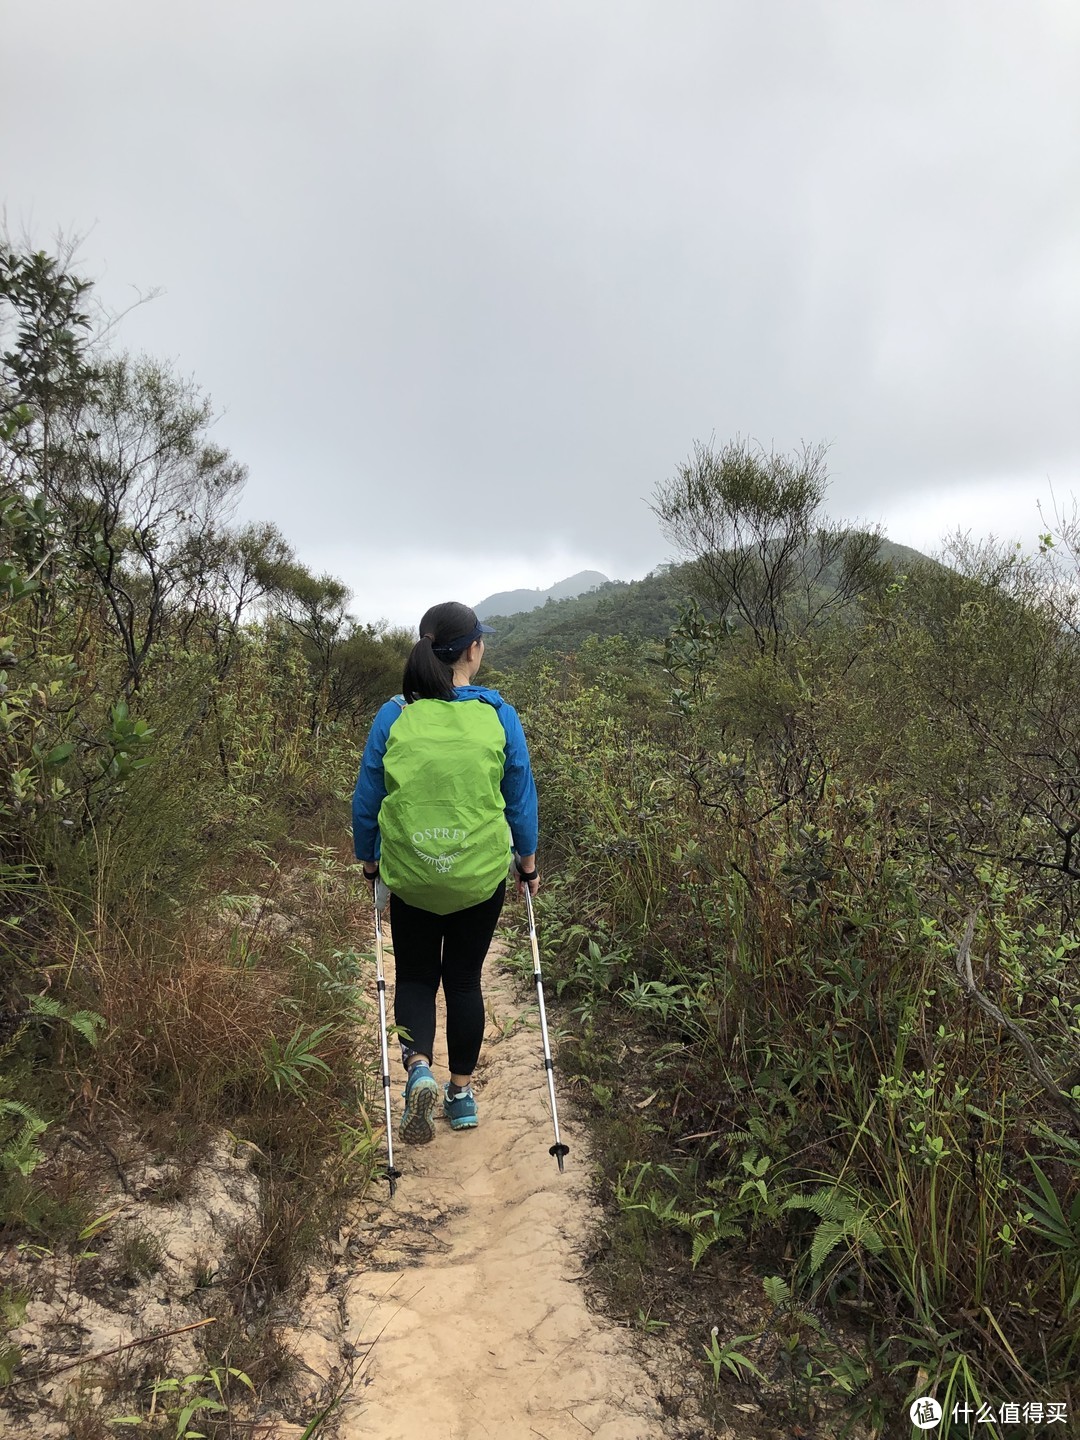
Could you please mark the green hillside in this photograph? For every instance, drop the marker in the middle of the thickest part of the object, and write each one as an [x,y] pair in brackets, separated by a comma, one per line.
[637,610]
[642,609]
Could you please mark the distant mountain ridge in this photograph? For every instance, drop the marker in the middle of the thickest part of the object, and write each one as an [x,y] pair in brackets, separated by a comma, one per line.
[520,602]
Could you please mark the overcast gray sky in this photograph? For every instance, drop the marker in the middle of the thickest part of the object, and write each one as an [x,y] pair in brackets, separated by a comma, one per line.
[466,281]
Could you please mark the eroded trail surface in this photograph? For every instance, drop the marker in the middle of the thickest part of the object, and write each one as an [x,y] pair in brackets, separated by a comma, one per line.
[470,1310]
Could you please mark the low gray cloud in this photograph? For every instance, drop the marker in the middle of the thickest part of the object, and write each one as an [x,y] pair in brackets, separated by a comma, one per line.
[468,281]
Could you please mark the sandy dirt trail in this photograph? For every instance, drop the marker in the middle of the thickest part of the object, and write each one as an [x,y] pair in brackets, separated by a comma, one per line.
[472,1284]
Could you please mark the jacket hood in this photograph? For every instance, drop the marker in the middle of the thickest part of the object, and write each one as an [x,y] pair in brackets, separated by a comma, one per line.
[480,692]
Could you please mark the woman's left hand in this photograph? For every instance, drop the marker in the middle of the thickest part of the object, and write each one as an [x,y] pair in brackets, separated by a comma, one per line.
[526,873]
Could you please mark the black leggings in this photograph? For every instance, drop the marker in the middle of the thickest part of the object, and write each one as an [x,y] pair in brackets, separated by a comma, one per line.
[448,948]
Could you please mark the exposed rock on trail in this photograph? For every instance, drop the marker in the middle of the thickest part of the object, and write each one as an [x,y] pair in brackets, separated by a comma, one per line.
[468,1305]
[456,1311]
[187,1239]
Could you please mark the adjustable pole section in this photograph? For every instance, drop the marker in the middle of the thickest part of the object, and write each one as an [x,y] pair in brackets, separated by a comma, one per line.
[389,1174]
[558,1149]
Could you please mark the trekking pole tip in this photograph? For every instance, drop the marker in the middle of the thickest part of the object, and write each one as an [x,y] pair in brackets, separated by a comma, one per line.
[559,1151]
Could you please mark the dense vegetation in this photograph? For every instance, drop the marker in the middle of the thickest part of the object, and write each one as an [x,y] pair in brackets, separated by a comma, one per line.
[177,744]
[810,904]
[813,889]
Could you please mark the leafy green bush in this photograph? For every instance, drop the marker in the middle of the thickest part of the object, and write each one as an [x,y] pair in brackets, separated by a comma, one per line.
[818,906]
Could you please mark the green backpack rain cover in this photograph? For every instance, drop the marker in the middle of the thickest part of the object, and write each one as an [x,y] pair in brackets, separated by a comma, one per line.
[445,840]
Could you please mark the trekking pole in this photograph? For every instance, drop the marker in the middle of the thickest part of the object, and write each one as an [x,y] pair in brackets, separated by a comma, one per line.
[558,1149]
[390,1174]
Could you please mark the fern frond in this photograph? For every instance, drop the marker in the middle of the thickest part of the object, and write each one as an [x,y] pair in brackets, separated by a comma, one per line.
[826,1238]
[15,1107]
[777,1290]
[21,1153]
[828,1202]
[84,1022]
[45,1005]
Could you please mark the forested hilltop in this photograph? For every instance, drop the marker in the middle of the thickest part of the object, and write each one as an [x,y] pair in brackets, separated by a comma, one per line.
[636,610]
[810,858]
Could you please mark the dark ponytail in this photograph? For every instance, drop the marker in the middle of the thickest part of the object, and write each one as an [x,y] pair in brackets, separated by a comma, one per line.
[426,676]
[429,670]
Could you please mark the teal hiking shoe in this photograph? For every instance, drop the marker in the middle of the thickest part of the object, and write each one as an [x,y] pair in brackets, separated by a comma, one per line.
[461,1110]
[421,1093]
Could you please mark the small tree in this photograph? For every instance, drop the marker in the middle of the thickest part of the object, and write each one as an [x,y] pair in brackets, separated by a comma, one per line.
[366,667]
[750,521]
[315,606]
[45,365]
[140,491]
[230,573]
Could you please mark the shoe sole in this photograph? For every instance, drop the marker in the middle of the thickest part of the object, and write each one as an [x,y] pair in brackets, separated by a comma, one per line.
[418,1122]
[467,1123]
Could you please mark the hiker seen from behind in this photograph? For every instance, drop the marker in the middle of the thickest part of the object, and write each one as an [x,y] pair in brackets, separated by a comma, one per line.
[444,796]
